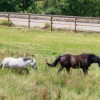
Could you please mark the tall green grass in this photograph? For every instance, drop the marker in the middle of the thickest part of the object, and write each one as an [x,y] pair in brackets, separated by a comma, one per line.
[45,83]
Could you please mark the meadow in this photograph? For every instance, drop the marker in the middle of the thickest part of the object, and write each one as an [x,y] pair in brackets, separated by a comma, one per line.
[44,83]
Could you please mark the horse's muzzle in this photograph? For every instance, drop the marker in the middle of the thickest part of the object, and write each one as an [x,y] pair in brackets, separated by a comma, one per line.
[35,66]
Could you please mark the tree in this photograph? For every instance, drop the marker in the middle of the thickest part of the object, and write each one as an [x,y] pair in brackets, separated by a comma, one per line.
[8,5]
[52,6]
[25,4]
[16,5]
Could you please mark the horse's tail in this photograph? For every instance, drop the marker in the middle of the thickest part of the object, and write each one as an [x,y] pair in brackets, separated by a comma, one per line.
[55,62]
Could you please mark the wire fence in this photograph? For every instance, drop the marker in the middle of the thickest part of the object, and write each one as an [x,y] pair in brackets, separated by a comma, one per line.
[75,23]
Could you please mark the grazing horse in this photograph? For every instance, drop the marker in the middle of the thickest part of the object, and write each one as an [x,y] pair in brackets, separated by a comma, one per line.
[75,61]
[21,63]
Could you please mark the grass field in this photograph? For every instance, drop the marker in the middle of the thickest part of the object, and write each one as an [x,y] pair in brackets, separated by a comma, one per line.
[45,83]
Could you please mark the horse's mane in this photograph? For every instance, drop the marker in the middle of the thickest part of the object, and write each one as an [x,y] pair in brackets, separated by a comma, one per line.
[91,57]
[26,58]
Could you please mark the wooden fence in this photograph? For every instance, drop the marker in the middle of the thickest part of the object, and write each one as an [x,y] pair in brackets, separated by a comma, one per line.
[53,20]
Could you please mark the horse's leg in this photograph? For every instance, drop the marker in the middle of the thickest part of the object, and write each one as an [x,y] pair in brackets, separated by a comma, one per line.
[3,66]
[60,69]
[68,70]
[85,71]
[12,69]
[20,71]
[27,71]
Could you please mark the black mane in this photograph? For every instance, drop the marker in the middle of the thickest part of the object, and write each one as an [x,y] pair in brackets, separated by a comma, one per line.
[26,58]
[92,58]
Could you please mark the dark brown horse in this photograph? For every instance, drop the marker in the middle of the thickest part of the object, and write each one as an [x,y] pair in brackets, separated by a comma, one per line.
[75,61]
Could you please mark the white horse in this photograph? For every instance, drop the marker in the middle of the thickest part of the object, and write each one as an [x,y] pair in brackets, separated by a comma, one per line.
[21,63]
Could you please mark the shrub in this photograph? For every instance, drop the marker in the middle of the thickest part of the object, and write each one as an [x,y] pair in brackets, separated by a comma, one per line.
[47,25]
[5,23]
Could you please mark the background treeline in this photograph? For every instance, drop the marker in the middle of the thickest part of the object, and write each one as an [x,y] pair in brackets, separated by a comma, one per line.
[56,7]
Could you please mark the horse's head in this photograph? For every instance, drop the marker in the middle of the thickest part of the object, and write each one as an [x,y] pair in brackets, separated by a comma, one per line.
[30,61]
[33,63]
[96,59]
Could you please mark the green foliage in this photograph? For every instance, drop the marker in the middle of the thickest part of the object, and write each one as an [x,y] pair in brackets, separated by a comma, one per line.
[8,5]
[73,7]
[27,5]
[5,23]
[16,5]
[56,7]
[52,6]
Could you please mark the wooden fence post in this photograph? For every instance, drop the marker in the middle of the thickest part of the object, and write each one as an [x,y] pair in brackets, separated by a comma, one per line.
[29,21]
[51,23]
[8,18]
[75,24]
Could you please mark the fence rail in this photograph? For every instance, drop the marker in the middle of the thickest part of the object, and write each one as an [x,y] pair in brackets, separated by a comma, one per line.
[55,21]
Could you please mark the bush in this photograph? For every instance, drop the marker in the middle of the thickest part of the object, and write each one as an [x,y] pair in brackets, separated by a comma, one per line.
[47,25]
[5,23]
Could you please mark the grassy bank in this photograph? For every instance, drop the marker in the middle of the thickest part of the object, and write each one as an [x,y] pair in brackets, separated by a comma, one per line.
[45,83]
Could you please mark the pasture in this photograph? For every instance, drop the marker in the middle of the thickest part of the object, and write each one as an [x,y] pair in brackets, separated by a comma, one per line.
[45,83]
